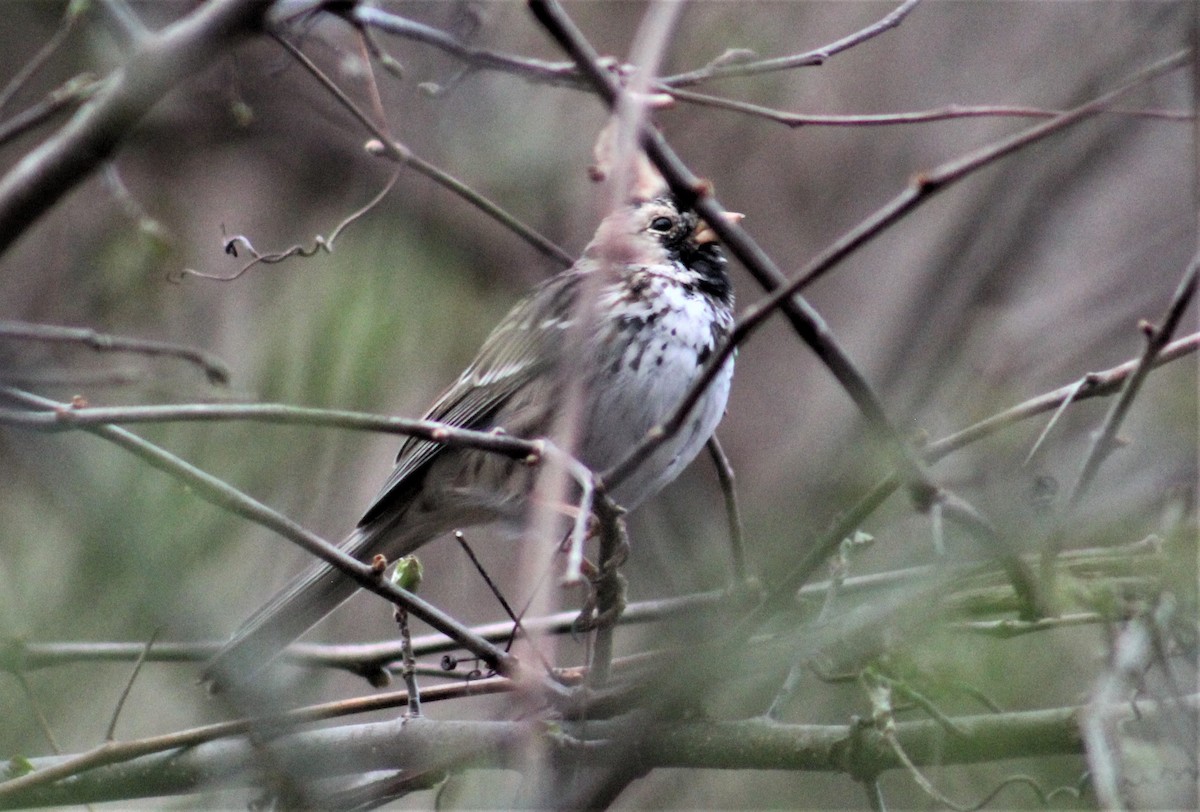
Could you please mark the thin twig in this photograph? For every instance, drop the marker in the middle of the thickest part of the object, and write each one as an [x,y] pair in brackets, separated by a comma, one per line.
[1053,421]
[461,538]
[65,419]
[805,60]
[946,113]
[407,575]
[737,546]
[73,12]
[1093,384]
[72,92]
[1157,339]
[559,73]
[395,151]
[320,243]
[223,495]
[35,707]
[1008,628]
[34,185]
[610,589]
[214,368]
[116,752]
[110,734]
[126,21]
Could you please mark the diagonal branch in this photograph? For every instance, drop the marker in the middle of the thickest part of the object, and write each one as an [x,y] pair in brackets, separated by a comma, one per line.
[217,492]
[1157,339]
[163,60]
[393,150]
[809,59]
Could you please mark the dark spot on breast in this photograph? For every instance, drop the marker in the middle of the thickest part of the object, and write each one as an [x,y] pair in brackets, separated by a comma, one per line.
[638,284]
[703,355]
[632,323]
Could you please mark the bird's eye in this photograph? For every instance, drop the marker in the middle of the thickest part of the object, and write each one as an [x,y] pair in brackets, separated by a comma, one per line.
[661,224]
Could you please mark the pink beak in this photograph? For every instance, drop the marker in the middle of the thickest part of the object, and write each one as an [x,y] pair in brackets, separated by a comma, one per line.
[704,233]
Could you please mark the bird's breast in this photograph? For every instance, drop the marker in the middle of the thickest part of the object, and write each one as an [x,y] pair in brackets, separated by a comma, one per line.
[653,347]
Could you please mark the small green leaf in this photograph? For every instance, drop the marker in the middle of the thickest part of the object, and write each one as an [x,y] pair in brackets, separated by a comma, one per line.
[17,767]
[408,573]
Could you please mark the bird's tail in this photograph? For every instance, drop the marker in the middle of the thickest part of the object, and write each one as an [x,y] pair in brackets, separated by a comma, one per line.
[290,613]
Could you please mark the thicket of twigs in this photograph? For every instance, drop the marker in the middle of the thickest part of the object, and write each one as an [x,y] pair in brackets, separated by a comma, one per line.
[960,568]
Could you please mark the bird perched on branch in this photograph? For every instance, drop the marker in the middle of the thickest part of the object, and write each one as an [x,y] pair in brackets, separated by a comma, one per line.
[630,324]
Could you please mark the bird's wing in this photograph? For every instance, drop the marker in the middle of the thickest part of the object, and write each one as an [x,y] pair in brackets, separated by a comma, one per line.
[520,349]
[517,352]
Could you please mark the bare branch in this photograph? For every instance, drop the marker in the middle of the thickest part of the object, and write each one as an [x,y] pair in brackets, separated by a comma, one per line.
[214,368]
[70,93]
[805,60]
[752,744]
[1157,339]
[537,70]
[947,113]
[55,419]
[388,147]
[72,15]
[126,21]
[223,495]
[163,60]
[110,734]
[111,752]
[725,476]
[1093,384]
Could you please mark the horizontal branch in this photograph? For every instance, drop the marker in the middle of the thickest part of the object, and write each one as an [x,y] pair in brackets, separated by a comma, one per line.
[214,368]
[217,492]
[416,744]
[1083,564]
[66,419]
[948,112]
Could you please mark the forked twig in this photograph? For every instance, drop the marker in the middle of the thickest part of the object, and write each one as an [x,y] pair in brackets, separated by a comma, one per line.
[395,151]
[1157,339]
[220,493]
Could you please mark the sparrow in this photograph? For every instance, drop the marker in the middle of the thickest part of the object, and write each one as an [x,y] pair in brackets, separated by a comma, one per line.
[659,303]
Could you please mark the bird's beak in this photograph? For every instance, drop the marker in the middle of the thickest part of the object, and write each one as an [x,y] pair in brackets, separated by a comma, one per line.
[704,233]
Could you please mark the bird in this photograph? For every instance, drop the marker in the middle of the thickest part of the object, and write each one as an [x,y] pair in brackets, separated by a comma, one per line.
[659,303]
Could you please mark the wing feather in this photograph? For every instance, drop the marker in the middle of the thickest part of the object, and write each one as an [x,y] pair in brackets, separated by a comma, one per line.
[521,349]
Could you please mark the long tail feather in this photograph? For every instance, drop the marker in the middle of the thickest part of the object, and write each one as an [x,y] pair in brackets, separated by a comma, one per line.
[290,613]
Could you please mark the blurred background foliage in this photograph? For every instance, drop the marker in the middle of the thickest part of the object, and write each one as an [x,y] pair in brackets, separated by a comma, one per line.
[1017,281]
